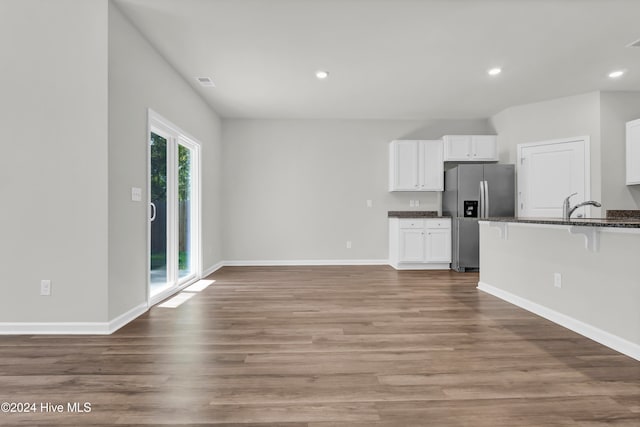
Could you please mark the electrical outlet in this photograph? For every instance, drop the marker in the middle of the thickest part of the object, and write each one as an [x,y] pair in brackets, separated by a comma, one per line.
[417,203]
[348,244]
[557,280]
[136,194]
[45,287]
[411,204]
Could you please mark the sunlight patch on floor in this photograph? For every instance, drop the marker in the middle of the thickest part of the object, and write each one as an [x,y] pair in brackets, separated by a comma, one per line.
[178,300]
[200,285]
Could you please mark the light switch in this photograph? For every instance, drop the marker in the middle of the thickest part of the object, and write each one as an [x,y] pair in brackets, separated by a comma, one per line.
[557,280]
[136,194]
[369,203]
[45,287]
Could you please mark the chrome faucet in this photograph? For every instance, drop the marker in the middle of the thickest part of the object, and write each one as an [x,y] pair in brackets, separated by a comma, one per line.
[567,210]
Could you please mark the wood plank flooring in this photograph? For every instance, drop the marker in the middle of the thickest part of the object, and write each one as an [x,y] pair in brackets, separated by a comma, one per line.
[327,346]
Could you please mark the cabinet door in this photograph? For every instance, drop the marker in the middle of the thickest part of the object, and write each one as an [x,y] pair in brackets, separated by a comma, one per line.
[404,166]
[412,248]
[633,152]
[438,245]
[431,166]
[484,147]
[457,147]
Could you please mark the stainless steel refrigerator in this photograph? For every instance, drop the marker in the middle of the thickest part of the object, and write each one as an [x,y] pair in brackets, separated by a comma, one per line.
[472,192]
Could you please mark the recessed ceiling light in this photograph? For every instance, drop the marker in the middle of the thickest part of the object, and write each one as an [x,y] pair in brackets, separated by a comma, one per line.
[494,71]
[322,74]
[616,74]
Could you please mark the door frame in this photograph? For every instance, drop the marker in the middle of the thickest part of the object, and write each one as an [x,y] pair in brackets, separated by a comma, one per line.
[157,122]
[587,167]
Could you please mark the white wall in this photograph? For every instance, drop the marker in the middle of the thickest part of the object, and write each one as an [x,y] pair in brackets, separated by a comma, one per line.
[53,168]
[567,117]
[617,108]
[139,78]
[297,189]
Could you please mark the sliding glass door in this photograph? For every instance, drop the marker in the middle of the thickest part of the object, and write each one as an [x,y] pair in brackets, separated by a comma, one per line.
[174,208]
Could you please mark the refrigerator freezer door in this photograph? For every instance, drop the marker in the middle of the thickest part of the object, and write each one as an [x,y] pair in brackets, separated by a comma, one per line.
[469,177]
[500,190]
[465,244]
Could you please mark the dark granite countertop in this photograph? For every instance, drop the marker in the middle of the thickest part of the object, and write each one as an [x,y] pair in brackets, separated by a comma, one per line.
[414,214]
[589,222]
[623,214]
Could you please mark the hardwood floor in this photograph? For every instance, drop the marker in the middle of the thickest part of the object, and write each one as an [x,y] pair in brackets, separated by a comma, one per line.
[327,346]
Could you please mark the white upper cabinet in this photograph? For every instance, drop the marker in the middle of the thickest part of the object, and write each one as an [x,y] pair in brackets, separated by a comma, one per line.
[404,166]
[416,165]
[470,148]
[633,152]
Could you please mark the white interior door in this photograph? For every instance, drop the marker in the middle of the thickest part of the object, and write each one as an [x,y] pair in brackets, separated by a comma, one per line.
[550,171]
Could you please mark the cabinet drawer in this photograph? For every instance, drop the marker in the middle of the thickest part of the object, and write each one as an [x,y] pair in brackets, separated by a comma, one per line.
[411,223]
[438,223]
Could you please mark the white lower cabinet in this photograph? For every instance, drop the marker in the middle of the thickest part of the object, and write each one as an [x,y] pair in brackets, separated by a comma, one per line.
[420,243]
[438,243]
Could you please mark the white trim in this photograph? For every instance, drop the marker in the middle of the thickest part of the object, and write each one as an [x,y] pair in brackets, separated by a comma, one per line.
[213,269]
[72,328]
[54,328]
[127,317]
[598,335]
[303,262]
[160,121]
[421,266]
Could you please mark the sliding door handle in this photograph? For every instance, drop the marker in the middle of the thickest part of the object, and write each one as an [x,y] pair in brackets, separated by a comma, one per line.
[153,212]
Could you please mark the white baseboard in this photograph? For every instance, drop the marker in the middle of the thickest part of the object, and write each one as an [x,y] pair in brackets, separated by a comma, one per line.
[421,266]
[305,262]
[213,269]
[54,328]
[127,317]
[605,338]
[72,328]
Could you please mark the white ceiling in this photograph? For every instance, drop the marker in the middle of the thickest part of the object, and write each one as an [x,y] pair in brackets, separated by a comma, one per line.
[393,59]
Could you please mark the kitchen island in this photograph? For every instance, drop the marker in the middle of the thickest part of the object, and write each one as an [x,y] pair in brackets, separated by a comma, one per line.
[583,274]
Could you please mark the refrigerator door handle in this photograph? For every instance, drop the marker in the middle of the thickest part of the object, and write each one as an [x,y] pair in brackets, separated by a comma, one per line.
[481,210]
[486,199]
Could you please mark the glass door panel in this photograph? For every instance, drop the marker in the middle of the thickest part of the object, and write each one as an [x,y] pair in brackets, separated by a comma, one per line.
[185,266]
[158,255]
